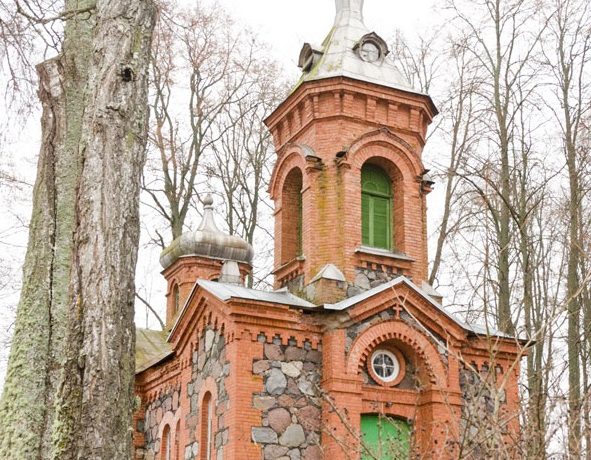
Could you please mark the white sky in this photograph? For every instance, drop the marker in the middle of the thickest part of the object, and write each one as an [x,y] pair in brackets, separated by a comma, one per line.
[287,25]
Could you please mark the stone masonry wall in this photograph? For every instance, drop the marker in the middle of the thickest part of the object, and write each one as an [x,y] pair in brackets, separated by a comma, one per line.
[366,279]
[480,397]
[209,360]
[291,415]
[155,412]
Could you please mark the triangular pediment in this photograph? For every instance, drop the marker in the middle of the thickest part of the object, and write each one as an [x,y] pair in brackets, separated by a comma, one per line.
[401,294]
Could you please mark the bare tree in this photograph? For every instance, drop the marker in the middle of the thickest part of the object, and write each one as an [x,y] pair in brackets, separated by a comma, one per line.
[239,164]
[569,60]
[502,44]
[215,62]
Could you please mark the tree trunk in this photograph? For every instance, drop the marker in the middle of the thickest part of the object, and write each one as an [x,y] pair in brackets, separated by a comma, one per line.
[573,302]
[34,355]
[37,352]
[95,399]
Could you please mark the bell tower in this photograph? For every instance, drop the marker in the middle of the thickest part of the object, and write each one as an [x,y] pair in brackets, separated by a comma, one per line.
[349,184]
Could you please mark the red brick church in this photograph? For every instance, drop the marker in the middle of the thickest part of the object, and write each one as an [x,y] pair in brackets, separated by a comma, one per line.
[353,355]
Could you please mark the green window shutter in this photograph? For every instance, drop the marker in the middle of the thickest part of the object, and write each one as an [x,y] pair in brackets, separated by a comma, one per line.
[381,219]
[376,208]
[365,218]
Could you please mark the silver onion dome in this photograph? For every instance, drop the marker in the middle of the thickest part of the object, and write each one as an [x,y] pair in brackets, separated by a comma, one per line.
[207,241]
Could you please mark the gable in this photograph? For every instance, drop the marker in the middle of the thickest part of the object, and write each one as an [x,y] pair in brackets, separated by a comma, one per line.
[401,294]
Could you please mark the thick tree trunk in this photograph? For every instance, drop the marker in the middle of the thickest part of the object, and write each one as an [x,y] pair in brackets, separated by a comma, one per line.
[34,359]
[95,400]
[38,343]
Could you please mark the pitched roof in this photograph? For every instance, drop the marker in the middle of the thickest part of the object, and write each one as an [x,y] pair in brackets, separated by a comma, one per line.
[226,292]
[351,301]
[151,347]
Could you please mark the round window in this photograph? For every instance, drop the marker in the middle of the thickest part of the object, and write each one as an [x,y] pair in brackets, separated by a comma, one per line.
[370,52]
[385,365]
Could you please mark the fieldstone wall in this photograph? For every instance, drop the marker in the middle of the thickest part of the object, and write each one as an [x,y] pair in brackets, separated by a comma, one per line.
[482,410]
[366,279]
[155,412]
[209,360]
[291,415]
[296,285]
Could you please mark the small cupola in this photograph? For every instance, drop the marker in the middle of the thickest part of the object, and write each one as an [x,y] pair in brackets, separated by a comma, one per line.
[201,254]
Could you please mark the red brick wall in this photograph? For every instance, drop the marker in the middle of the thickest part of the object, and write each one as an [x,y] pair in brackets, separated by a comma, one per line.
[367,123]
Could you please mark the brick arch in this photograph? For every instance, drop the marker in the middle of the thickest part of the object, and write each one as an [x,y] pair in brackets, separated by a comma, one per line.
[172,420]
[400,332]
[409,162]
[294,157]
[208,387]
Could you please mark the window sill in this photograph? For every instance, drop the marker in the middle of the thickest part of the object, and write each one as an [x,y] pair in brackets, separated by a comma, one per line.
[383,253]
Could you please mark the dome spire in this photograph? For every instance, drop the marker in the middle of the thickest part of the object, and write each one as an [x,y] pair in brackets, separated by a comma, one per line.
[346,10]
[208,222]
[351,50]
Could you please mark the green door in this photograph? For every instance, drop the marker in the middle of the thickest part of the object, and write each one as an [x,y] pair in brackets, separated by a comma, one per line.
[387,438]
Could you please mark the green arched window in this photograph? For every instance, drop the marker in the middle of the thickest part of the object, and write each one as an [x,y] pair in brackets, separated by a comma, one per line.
[376,207]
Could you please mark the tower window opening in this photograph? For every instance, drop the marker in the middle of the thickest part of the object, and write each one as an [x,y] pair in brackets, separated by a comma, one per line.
[292,216]
[376,207]
[177,298]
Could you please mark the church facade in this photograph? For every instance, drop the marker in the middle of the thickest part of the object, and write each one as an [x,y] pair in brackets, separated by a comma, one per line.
[352,355]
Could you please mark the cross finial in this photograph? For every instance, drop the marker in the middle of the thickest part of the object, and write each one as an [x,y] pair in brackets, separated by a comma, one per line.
[348,9]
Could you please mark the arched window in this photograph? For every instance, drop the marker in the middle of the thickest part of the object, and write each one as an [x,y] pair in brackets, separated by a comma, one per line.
[166,444]
[291,216]
[176,298]
[206,427]
[177,434]
[376,207]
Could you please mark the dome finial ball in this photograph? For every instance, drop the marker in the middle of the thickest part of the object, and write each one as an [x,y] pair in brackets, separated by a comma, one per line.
[208,200]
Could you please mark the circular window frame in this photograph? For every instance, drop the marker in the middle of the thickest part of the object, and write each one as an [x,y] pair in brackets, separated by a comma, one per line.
[401,366]
[360,51]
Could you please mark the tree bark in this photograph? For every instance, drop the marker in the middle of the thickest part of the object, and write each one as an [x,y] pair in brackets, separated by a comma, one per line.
[34,359]
[37,352]
[95,399]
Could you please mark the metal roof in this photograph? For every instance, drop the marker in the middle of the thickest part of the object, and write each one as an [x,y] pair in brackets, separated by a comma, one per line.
[207,241]
[329,272]
[339,56]
[474,328]
[226,292]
